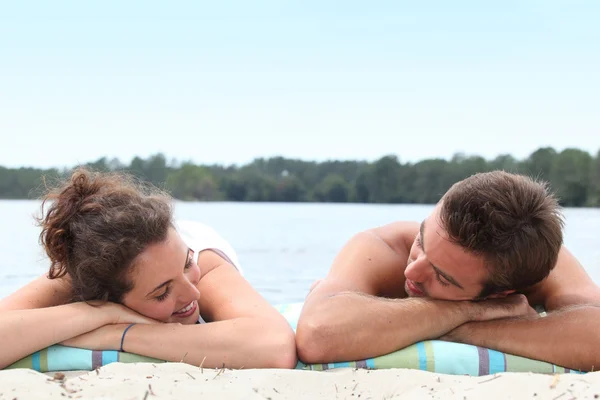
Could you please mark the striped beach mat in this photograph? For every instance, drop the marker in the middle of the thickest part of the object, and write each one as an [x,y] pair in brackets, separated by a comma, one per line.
[431,355]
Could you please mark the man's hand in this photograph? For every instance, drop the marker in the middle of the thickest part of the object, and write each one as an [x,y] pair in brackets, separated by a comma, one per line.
[514,305]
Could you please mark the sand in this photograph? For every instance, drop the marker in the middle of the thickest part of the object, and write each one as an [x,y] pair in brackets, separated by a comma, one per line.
[146,381]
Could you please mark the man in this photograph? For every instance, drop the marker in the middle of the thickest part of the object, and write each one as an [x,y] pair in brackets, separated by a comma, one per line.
[468,273]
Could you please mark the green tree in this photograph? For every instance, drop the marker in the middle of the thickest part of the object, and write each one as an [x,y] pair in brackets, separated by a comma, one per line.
[290,189]
[571,176]
[540,163]
[333,189]
[193,182]
[594,182]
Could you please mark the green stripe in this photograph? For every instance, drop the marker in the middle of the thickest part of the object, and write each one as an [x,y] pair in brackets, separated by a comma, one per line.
[136,358]
[44,360]
[26,362]
[521,364]
[407,358]
[430,356]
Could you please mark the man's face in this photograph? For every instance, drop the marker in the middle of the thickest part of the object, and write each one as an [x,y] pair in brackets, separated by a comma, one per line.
[440,269]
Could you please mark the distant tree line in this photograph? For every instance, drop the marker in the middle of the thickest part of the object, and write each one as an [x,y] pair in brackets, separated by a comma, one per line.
[573,174]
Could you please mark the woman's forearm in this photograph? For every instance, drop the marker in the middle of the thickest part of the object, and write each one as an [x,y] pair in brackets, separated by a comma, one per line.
[23,332]
[235,343]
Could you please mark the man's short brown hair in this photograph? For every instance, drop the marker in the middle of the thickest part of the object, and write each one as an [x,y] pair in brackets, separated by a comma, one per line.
[511,220]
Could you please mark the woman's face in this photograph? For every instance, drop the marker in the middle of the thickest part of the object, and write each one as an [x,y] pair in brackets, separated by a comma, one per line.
[165,279]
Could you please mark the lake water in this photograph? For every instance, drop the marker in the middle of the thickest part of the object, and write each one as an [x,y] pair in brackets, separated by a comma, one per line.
[283,247]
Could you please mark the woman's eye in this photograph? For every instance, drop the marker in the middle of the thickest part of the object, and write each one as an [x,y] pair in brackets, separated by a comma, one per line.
[164,295]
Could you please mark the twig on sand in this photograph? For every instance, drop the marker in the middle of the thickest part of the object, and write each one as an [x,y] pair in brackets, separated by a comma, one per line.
[191,376]
[554,381]
[184,356]
[201,364]
[219,373]
[491,379]
[260,394]
[560,395]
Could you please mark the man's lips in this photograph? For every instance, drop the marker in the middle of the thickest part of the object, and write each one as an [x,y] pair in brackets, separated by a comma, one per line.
[413,287]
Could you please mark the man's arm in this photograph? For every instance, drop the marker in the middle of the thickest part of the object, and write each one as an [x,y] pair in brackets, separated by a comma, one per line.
[343,319]
[568,336]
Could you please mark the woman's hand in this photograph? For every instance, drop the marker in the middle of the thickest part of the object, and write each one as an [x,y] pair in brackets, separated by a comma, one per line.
[119,314]
[108,337]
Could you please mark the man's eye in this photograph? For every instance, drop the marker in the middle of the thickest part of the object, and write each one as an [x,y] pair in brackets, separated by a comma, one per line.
[441,280]
[418,241]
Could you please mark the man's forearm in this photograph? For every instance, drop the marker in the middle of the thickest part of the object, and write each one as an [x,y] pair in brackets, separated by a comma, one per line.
[353,326]
[568,338]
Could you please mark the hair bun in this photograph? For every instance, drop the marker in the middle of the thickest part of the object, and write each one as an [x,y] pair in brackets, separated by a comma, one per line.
[66,203]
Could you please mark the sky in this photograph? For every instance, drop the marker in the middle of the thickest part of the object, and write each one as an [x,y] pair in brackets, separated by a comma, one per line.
[230,81]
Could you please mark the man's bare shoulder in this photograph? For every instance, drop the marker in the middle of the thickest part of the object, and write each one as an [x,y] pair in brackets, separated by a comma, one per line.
[568,284]
[398,235]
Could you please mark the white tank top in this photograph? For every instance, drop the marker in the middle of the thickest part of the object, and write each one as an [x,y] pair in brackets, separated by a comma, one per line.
[200,237]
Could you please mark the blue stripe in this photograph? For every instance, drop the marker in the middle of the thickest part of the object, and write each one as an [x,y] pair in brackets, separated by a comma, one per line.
[35,361]
[341,365]
[370,363]
[109,357]
[497,363]
[455,358]
[422,356]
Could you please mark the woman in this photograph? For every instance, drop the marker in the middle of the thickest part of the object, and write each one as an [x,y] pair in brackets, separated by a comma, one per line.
[125,276]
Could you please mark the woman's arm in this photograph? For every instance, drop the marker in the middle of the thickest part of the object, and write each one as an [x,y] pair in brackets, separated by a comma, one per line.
[235,343]
[36,316]
[40,293]
[244,329]
[23,332]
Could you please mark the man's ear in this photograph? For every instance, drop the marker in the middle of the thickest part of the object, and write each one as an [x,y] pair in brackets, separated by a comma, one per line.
[501,294]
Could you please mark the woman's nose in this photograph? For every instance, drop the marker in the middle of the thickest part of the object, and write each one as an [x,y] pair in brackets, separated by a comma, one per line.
[190,293]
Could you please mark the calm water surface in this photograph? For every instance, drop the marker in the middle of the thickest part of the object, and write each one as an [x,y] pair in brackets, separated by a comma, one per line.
[282,247]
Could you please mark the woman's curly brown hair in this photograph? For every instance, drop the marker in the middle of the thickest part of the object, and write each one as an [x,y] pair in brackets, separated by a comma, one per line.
[94,225]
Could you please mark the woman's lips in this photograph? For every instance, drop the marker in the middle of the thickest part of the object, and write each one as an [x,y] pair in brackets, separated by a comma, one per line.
[189,310]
